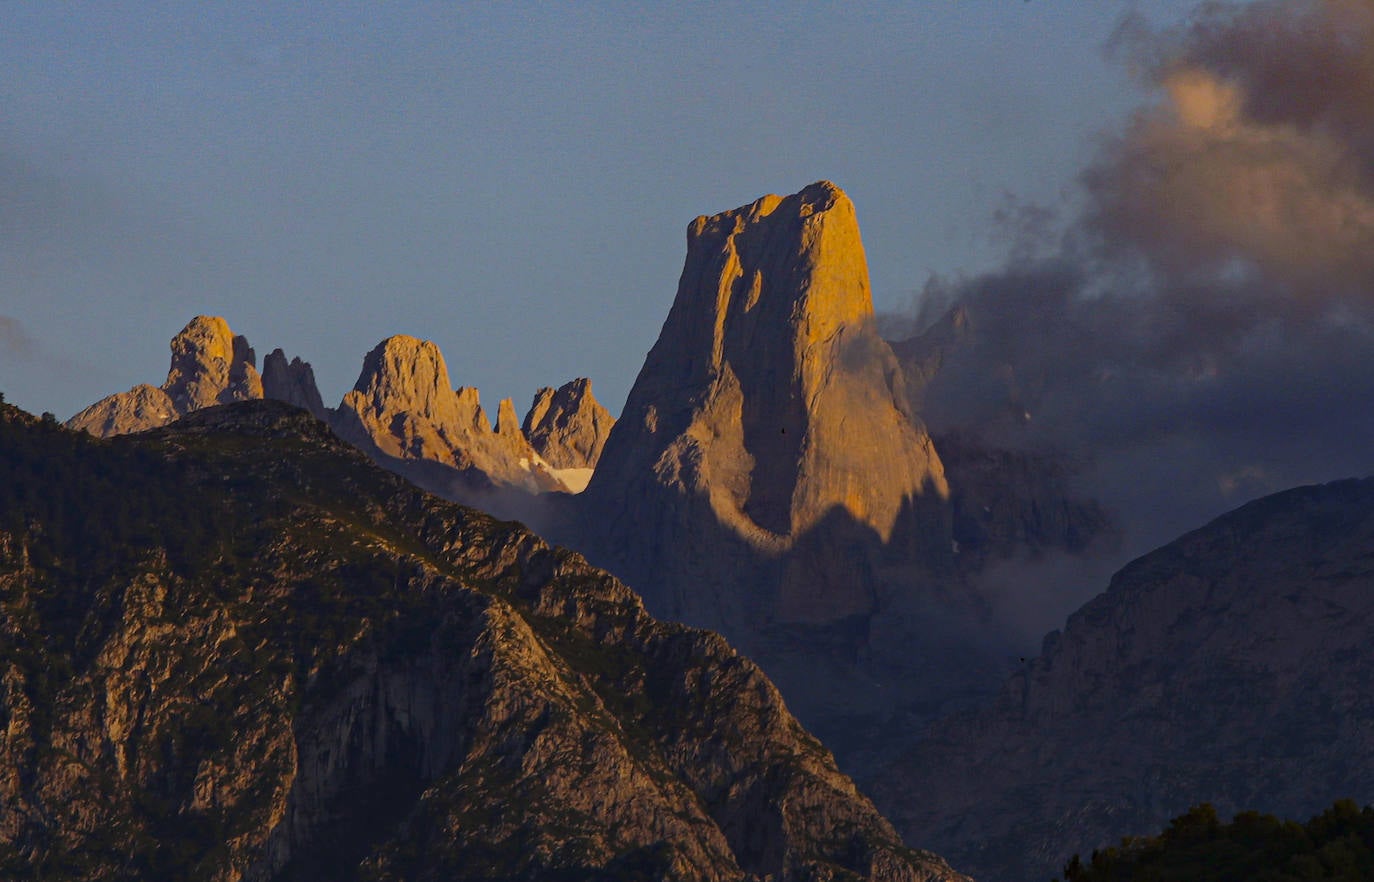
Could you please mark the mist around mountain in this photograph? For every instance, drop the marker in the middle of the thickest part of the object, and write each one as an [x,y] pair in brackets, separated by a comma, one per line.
[236,649]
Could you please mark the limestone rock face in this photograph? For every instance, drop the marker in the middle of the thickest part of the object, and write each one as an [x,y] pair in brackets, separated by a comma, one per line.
[1231,666]
[768,395]
[767,430]
[404,409]
[142,407]
[309,670]
[292,382]
[507,423]
[568,427]
[403,400]
[767,478]
[210,365]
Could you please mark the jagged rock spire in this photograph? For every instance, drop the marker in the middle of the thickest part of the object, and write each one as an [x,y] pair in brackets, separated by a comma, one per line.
[210,365]
[568,427]
[768,392]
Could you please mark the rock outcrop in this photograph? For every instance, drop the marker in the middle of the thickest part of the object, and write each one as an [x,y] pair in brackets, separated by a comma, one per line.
[292,382]
[1231,666]
[568,427]
[768,396]
[768,479]
[768,404]
[404,411]
[235,650]
[142,407]
[210,365]
[922,355]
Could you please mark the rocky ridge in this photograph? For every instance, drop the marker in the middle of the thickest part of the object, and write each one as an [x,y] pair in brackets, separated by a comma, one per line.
[210,365]
[305,669]
[771,479]
[292,382]
[1230,666]
[568,426]
[404,410]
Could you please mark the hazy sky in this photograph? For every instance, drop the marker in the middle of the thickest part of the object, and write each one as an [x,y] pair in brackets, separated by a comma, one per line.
[510,181]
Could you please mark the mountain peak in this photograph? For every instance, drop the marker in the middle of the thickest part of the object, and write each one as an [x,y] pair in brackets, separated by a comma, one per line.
[799,257]
[404,401]
[568,426]
[404,407]
[210,365]
[407,370]
[766,372]
[292,382]
[506,421]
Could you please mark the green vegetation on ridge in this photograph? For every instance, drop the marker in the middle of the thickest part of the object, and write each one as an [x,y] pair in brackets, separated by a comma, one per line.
[1336,845]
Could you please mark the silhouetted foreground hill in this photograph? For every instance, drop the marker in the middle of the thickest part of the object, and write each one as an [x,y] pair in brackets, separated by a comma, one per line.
[232,648]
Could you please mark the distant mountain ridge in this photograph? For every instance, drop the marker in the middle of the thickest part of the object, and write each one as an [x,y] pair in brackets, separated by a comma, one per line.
[402,411]
[210,365]
[771,478]
[1231,666]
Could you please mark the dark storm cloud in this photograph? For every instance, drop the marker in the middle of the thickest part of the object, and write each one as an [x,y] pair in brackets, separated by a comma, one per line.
[1204,331]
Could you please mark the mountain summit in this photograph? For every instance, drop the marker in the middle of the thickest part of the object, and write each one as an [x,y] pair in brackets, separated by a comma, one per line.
[768,395]
[210,365]
[568,426]
[404,408]
[767,477]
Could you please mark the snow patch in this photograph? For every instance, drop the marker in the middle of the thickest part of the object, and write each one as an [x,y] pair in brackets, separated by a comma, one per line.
[575,480]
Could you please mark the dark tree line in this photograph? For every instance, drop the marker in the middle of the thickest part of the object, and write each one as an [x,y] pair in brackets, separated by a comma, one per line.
[1337,845]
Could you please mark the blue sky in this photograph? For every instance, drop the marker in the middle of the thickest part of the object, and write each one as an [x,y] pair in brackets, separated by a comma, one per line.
[511,181]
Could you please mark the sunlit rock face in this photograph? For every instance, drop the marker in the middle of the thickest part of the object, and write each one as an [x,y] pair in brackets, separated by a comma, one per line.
[768,395]
[568,426]
[767,419]
[767,477]
[404,409]
[210,365]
